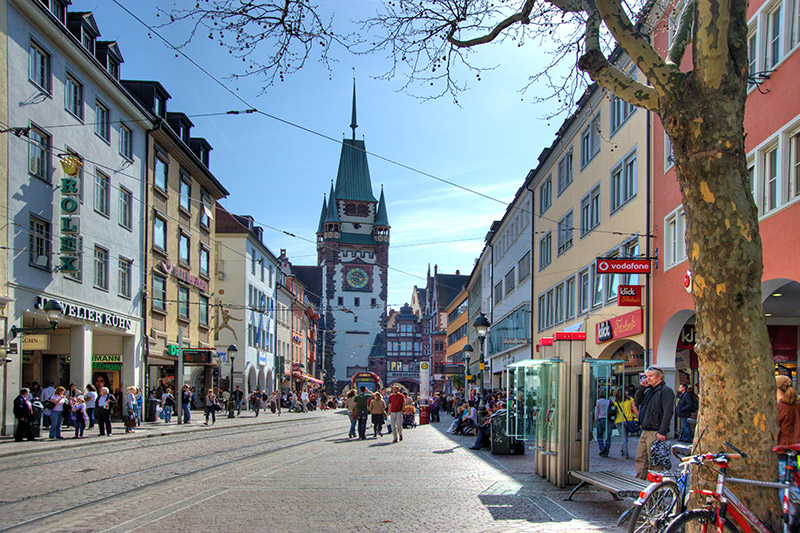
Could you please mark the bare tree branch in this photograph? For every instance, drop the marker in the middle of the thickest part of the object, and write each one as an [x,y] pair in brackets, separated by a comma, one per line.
[623,86]
[523,17]
[711,41]
[682,35]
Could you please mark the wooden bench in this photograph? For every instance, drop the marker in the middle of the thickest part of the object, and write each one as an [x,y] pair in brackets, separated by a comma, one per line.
[618,484]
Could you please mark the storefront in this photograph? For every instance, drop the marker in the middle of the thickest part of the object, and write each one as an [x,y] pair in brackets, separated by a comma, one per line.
[617,338]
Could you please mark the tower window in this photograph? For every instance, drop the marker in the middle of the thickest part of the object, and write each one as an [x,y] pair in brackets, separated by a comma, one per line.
[340,301]
[350,209]
[362,210]
[356,302]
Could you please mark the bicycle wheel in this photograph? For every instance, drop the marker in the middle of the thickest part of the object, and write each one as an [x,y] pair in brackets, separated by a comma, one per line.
[654,513]
[697,521]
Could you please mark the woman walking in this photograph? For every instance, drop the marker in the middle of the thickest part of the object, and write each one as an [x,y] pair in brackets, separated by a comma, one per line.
[350,405]
[377,408]
[57,412]
[167,403]
[211,407]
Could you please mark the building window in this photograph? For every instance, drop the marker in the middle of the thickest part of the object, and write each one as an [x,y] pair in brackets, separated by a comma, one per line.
[669,154]
[205,215]
[612,281]
[39,66]
[159,232]
[203,310]
[88,41]
[565,227]
[373,303]
[771,188]
[73,90]
[620,111]
[126,142]
[102,118]
[524,266]
[590,140]
[630,249]
[542,307]
[183,301]
[125,208]
[40,244]
[161,173]
[794,24]
[794,163]
[565,171]
[498,292]
[545,250]
[204,261]
[39,154]
[597,287]
[125,277]
[102,189]
[590,211]
[340,301]
[509,281]
[773,37]
[159,292]
[101,268]
[675,237]
[752,57]
[583,291]
[184,248]
[113,68]
[253,262]
[569,299]
[186,194]
[623,182]
[545,195]
[356,302]
[558,302]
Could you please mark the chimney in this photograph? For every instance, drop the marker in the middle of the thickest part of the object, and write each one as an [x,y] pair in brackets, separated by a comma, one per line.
[458,272]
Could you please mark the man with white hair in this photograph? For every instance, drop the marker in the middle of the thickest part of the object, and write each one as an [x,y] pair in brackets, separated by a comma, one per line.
[655,401]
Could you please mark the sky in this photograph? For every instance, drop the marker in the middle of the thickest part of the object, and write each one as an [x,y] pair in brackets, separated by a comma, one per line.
[278,173]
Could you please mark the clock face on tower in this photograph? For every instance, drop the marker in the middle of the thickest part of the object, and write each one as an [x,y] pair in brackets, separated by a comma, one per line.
[357,278]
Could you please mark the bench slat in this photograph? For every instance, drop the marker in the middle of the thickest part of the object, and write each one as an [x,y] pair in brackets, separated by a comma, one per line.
[618,484]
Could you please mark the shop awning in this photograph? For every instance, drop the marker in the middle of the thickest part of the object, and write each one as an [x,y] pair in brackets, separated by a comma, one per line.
[312,379]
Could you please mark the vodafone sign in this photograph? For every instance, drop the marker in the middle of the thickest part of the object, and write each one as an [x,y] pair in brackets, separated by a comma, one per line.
[623,266]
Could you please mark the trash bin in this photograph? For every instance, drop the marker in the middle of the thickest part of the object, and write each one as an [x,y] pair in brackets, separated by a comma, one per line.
[502,444]
[36,421]
[424,414]
[150,409]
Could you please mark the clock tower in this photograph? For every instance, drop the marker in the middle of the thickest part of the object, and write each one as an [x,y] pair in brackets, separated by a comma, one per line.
[353,251]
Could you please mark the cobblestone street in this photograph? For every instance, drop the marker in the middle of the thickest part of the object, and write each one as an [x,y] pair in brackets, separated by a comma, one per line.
[302,474]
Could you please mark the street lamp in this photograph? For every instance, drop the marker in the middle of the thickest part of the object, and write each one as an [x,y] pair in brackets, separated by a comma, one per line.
[468,351]
[481,326]
[232,351]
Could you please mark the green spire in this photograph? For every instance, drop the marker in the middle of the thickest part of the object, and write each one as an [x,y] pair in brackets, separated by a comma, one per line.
[381,218]
[353,121]
[321,227]
[333,209]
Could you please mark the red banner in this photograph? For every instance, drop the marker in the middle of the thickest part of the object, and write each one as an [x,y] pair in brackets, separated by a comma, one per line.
[623,266]
[626,325]
[630,295]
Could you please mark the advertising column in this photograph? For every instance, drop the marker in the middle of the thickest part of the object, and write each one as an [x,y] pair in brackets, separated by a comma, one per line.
[424,381]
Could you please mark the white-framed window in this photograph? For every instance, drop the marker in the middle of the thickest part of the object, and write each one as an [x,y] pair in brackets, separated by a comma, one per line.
[620,112]
[590,211]
[39,248]
[597,286]
[794,24]
[611,283]
[159,292]
[40,66]
[545,250]
[558,304]
[39,144]
[184,248]
[569,298]
[125,208]
[751,176]
[669,153]
[770,180]
[102,121]
[590,140]
[565,231]
[203,316]
[102,190]
[206,209]
[794,164]
[542,313]
[160,173]
[752,56]
[100,268]
[498,292]
[125,268]
[73,95]
[524,266]
[773,47]
[126,142]
[185,193]
[204,261]
[565,171]
[675,238]
[510,281]
[629,249]
[584,290]
[183,301]
[545,195]
[623,182]
[160,232]
[550,307]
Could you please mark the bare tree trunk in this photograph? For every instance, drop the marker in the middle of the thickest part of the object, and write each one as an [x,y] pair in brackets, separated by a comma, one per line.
[737,387]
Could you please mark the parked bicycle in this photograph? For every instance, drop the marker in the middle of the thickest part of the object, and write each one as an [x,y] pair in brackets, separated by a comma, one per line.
[664,498]
[724,512]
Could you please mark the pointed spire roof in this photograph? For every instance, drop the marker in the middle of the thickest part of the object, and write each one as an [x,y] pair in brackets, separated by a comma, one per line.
[321,227]
[353,121]
[381,218]
[352,180]
[333,209]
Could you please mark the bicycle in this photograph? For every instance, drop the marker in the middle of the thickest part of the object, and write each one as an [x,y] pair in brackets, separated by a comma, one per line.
[723,511]
[663,499]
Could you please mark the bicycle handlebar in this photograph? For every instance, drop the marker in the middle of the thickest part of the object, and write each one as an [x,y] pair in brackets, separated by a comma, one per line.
[703,457]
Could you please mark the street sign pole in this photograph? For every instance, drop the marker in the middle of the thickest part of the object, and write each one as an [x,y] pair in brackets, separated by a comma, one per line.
[179,377]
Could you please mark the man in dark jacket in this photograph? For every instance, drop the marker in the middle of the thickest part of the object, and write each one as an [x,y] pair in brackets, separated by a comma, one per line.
[655,402]
[687,404]
[23,410]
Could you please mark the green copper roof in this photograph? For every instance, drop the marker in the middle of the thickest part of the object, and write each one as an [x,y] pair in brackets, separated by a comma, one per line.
[333,209]
[356,238]
[321,227]
[352,180]
[382,219]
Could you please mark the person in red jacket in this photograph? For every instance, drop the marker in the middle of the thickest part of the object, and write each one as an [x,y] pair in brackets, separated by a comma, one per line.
[397,401]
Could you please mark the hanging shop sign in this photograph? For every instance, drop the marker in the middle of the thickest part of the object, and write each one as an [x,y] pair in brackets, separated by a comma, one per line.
[103,318]
[629,295]
[184,275]
[623,266]
[70,206]
[626,325]
[35,342]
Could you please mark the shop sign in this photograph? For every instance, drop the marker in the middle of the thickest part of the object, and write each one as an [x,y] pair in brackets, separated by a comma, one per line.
[90,315]
[569,335]
[69,250]
[198,357]
[626,325]
[35,342]
[173,350]
[262,359]
[629,295]
[515,341]
[184,275]
[623,266]
[98,359]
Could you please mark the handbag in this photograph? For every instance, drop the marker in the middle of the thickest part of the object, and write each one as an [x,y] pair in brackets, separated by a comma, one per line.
[48,404]
[130,421]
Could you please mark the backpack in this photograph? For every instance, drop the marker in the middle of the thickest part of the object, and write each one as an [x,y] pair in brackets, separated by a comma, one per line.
[169,401]
[612,411]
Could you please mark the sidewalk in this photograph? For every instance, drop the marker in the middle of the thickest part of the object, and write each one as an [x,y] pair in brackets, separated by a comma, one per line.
[10,448]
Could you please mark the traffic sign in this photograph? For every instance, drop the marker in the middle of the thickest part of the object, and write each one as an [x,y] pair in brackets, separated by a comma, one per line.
[623,266]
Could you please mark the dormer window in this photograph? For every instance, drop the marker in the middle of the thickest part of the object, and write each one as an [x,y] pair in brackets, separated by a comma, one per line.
[88,41]
[113,68]
[160,106]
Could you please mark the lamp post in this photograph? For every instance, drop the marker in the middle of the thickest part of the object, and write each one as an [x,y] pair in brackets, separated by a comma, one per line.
[232,351]
[481,326]
[468,351]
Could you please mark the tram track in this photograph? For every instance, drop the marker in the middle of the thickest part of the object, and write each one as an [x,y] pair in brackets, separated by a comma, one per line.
[208,469]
